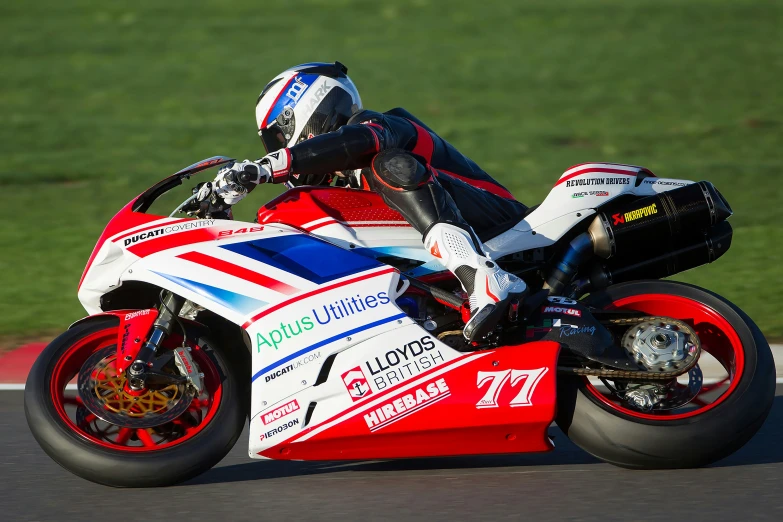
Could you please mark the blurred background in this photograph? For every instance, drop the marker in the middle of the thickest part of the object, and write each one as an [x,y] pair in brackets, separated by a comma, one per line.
[99,100]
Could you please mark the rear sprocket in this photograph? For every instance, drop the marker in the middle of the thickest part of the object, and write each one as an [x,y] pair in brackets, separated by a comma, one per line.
[680,367]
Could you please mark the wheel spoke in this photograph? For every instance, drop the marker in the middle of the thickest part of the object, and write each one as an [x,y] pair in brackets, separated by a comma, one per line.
[198,404]
[699,402]
[123,435]
[709,387]
[145,438]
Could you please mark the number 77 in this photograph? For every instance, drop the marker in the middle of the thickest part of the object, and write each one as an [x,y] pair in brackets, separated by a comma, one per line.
[498,379]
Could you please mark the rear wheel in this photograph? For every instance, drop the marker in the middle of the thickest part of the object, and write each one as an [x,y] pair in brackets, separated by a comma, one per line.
[108,433]
[717,421]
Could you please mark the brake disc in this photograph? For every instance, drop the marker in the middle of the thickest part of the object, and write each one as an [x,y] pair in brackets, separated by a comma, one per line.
[105,393]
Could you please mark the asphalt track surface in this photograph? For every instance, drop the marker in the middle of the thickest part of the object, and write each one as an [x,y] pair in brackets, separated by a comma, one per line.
[566,484]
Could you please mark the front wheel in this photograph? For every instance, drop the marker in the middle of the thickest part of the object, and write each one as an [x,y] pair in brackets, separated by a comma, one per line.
[113,435]
[722,416]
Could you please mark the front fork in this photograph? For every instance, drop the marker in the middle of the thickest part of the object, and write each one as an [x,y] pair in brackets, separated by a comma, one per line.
[140,370]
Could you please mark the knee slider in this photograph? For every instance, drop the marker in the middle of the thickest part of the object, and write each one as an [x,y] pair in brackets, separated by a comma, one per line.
[399,169]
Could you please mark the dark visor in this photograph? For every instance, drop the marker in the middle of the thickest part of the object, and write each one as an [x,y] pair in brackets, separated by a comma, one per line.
[273,138]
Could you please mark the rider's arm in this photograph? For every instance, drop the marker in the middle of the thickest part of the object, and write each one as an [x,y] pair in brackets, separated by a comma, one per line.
[352,146]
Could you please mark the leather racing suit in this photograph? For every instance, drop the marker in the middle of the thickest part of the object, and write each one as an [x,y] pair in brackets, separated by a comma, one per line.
[445,186]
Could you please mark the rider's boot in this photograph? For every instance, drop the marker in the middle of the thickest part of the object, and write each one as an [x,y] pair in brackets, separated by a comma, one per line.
[489,288]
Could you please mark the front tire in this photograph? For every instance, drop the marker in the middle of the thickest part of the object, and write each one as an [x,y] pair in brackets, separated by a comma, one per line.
[701,434]
[121,456]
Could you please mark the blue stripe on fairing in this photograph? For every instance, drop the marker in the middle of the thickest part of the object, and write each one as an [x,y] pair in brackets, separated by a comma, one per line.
[242,304]
[319,344]
[419,254]
[305,256]
[425,269]
[430,266]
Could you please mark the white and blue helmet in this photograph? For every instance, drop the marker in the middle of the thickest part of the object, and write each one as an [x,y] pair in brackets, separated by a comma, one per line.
[305,101]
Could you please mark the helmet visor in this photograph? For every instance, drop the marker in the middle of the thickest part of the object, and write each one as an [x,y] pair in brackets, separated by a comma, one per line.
[272,138]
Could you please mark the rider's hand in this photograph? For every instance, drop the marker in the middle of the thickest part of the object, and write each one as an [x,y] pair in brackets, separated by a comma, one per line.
[235,180]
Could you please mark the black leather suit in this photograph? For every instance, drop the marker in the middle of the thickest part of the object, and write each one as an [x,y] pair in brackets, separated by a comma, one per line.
[416,171]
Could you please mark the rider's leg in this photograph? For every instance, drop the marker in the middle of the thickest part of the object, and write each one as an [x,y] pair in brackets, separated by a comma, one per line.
[409,187]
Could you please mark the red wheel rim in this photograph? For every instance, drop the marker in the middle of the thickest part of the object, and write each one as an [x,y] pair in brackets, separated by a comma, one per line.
[718,338]
[68,403]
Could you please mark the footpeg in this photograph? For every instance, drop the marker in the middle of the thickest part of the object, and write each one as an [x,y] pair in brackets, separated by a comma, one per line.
[485,320]
[481,324]
[513,311]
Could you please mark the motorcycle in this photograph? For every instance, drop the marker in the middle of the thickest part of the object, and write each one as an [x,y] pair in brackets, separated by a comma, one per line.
[329,326]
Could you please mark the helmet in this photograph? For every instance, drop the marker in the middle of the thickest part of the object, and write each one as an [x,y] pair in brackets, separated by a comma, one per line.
[305,101]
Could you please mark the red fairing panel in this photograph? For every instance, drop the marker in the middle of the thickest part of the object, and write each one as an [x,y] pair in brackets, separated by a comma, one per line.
[498,401]
[124,220]
[134,330]
[302,206]
[134,324]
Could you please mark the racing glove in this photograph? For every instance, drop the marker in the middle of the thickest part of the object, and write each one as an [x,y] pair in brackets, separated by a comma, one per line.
[236,180]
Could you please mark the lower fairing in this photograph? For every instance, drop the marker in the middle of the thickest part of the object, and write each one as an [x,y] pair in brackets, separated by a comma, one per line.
[496,401]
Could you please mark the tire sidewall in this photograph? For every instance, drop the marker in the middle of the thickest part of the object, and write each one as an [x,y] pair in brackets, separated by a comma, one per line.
[689,442]
[128,469]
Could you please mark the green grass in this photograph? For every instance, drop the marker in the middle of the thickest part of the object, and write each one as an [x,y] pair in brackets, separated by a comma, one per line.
[98,101]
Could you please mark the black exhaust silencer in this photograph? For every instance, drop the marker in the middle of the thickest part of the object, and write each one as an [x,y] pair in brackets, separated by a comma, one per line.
[713,244]
[653,224]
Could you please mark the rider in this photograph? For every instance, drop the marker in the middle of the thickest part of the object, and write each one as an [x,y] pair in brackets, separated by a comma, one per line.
[312,124]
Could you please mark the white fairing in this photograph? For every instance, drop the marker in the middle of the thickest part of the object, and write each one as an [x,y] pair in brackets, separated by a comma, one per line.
[576,196]
[373,349]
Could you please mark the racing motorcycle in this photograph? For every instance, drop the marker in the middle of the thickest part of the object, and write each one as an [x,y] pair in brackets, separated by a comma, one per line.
[329,326]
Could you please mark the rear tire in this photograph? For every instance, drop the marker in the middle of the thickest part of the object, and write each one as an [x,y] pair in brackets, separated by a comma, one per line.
[631,441]
[128,467]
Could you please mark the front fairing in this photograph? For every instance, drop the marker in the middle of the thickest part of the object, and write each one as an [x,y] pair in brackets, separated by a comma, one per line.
[108,261]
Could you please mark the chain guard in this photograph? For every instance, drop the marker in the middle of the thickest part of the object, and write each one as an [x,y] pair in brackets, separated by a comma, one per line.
[644,375]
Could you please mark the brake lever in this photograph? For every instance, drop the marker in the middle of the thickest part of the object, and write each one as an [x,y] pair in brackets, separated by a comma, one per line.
[199,203]
[203,191]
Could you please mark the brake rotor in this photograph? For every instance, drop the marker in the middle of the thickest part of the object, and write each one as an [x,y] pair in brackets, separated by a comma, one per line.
[105,393]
